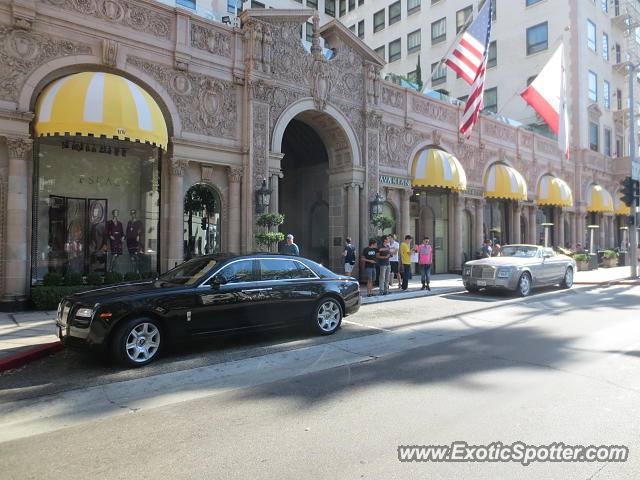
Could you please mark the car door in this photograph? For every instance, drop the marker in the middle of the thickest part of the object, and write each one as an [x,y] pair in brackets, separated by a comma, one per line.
[226,302]
[551,266]
[291,289]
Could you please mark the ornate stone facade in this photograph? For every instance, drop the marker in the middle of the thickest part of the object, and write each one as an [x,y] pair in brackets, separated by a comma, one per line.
[212,40]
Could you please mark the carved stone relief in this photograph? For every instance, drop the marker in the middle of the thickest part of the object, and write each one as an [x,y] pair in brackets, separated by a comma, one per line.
[471,158]
[211,40]
[109,52]
[432,110]
[396,144]
[127,13]
[393,97]
[206,105]
[260,142]
[505,133]
[21,52]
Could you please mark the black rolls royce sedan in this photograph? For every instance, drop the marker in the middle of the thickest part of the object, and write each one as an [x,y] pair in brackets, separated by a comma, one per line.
[208,295]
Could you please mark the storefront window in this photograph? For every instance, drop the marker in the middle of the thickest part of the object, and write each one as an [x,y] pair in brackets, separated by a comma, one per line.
[96,207]
[201,221]
[495,226]
[545,215]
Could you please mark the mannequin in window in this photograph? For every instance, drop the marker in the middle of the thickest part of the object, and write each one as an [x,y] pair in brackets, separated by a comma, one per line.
[133,232]
[115,231]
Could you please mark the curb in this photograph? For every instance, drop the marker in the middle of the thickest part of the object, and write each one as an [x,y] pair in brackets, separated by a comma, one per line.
[22,358]
[610,282]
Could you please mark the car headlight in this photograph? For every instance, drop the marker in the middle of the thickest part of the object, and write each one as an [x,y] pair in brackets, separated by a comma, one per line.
[85,312]
[504,272]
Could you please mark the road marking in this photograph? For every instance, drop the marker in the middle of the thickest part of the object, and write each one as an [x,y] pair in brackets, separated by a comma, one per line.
[366,326]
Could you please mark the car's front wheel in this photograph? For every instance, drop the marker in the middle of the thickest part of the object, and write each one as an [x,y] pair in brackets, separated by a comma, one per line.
[327,316]
[472,289]
[137,342]
[524,285]
[567,280]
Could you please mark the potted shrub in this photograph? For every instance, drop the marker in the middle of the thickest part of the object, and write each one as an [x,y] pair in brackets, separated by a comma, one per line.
[582,261]
[610,258]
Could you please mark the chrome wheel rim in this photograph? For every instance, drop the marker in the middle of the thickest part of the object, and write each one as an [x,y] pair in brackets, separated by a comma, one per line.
[525,285]
[568,277]
[328,316]
[142,342]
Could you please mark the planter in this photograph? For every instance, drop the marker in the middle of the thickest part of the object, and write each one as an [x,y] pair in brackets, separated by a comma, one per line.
[582,265]
[610,262]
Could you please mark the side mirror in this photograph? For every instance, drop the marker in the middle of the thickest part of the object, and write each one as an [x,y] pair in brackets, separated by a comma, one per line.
[218,280]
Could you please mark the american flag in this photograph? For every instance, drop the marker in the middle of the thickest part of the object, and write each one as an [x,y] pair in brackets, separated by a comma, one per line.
[469,59]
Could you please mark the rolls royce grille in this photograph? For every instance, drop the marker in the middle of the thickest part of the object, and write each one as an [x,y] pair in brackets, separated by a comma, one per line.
[479,271]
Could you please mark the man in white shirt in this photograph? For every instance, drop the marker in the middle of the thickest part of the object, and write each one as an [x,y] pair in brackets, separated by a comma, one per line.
[395,271]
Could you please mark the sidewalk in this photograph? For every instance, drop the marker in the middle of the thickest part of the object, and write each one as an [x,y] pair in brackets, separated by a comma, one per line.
[26,336]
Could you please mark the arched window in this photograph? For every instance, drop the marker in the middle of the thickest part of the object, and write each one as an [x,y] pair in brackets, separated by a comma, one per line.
[202,209]
[389,211]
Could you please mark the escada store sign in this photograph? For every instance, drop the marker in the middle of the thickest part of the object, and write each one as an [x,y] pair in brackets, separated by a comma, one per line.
[386,179]
[94,148]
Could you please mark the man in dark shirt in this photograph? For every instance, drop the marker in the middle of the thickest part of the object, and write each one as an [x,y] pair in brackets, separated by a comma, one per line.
[369,258]
[383,256]
[290,248]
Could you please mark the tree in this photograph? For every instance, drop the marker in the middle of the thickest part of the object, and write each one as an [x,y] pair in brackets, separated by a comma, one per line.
[268,238]
[382,222]
[199,198]
[418,79]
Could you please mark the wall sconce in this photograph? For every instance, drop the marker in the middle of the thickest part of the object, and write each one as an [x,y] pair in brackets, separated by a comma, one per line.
[263,197]
[377,206]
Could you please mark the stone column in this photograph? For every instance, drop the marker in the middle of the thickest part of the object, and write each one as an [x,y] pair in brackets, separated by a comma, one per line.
[517,232]
[177,167]
[602,234]
[560,233]
[353,220]
[234,176]
[274,183]
[16,229]
[405,209]
[532,225]
[457,233]
[479,224]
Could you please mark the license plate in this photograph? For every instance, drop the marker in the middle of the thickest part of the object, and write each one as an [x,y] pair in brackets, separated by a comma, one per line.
[481,283]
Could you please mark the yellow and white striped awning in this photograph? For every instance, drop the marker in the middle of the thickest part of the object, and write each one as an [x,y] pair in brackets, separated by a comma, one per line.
[502,181]
[620,208]
[100,104]
[435,168]
[554,191]
[598,199]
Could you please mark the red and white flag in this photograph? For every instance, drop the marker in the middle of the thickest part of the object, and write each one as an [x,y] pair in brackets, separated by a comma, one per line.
[469,59]
[547,94]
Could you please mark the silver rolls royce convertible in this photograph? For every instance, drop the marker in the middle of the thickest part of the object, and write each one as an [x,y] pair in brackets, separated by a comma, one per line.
[520,268]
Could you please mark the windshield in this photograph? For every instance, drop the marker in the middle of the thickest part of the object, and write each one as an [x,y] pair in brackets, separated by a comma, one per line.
[189,272]
[519,251]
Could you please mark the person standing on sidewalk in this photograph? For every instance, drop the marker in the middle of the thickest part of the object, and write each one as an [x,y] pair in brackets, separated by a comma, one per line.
[369,258]
[405,259]
[383,255]
[393,261]
[349,254]
[425,252]
[290,248]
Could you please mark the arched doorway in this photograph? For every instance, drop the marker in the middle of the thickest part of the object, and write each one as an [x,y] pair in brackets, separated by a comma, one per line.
[202,209]
[316,146]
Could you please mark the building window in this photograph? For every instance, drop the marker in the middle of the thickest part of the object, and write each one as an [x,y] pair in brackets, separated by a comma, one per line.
[413,6]
[439,31]
[312,3]
[187,3]
[360,3]
[352,4]
[395,12]
[492,56]
[395,48]
[594,140]
[380,52]
[606,94]
[607,142]
[464,98]
[378,21]
[462,16]
[413,41]
[605,46]
[618,147]
[330,7]
[605,5]
[491,100]
[234,6]
[593,86]
[528,3]
[619,98]
[531,79]
[618,53]
[591,35]
[361,29]
[353,28]
[309,32]
[343,7]
[537,38]
[438,73]
[255,4]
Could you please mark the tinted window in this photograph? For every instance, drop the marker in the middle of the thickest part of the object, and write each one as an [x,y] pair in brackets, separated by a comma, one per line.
[304,272]
[276,269]
[189,272]
[241,271]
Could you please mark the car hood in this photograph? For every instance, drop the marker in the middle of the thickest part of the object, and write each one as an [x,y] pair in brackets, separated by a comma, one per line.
[122,291]
[503,261]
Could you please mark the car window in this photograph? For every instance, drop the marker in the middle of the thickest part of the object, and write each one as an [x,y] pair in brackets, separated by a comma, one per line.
[278,269]
[519,251]
[189,272]
[237,272]
[304,271]
[548,252]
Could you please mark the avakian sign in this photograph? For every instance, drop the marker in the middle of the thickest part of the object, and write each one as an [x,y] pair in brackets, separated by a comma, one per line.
[404,182]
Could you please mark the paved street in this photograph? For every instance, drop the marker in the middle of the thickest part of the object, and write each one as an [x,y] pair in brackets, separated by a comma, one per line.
[558,366]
